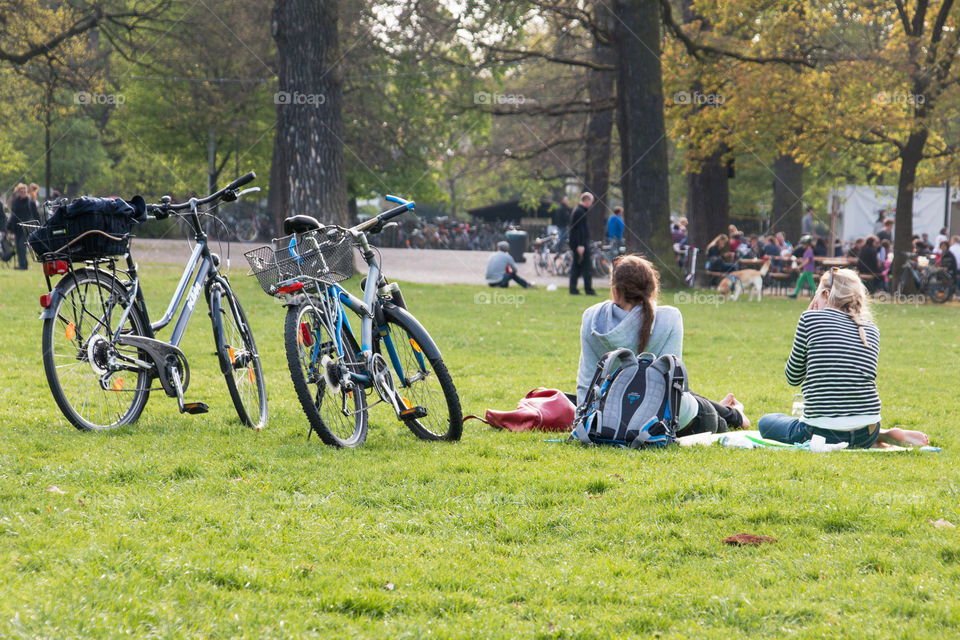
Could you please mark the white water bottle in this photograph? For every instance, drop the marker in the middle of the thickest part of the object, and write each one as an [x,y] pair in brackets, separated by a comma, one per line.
[798,404]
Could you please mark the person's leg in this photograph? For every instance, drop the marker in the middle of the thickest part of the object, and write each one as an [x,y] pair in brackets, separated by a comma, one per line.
[586,270]
[520,281]
[805,277]
[783,428]
[575,272]
[21,249]
[706,420]
[504,282]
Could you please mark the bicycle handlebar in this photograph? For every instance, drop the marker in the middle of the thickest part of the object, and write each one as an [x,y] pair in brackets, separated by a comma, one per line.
[166,207]
[376,223]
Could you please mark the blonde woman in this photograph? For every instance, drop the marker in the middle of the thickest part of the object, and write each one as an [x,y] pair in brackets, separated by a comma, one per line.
[717,252]
[834,357]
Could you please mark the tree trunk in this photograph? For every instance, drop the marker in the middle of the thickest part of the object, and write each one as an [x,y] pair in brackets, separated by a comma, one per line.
[910,158]
[640,121]
[307,175]
[600,126]
[787,197]
[708,203]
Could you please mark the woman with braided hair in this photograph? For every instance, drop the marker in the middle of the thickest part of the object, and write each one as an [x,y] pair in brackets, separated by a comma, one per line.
[633,320]
[834,356]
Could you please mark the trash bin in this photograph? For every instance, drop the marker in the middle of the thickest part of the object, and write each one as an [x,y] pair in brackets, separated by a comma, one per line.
[517,239]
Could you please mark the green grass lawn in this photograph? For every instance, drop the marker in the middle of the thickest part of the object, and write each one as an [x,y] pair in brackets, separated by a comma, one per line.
[194,526]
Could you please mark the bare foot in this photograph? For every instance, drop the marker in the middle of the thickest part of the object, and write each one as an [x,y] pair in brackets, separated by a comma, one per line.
[730,400]
[905,436]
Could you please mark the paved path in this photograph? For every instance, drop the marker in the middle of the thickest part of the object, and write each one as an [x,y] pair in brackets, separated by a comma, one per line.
[430,266]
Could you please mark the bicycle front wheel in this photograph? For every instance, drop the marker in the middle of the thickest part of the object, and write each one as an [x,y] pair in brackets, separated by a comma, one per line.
[421,377]
[239,360]
[95,382]
[335,407]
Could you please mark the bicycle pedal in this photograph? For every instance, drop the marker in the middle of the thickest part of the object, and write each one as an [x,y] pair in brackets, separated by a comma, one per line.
[194,408]
[413,413]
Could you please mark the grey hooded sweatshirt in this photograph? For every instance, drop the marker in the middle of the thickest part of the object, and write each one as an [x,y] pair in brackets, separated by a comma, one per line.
[606,327]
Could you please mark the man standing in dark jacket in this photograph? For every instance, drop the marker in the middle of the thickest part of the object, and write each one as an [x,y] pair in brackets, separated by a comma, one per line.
[579,238]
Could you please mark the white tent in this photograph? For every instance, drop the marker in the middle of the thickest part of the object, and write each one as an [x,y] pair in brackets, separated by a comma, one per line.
[860,205]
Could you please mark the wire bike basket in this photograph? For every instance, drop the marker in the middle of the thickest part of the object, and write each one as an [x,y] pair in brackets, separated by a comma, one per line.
[316,255]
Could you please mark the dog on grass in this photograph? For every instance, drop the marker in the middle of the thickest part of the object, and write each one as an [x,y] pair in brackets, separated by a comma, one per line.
[736,282]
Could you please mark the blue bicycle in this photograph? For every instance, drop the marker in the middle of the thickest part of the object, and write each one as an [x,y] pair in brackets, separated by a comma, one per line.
[332,373]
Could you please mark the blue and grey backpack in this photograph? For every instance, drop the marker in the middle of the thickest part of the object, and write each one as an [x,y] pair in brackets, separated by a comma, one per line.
[632,401]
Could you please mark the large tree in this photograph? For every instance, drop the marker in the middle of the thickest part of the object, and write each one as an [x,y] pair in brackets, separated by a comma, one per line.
[307,175]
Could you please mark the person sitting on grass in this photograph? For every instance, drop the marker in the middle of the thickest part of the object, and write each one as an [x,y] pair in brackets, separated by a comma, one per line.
[632,319]
[501,268]
[834,357]
[807,267]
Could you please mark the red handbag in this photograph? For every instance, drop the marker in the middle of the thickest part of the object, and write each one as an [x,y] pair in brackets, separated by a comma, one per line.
[541,409]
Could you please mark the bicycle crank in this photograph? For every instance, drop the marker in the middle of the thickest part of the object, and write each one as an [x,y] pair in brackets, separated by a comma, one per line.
[383,383]
[162,355]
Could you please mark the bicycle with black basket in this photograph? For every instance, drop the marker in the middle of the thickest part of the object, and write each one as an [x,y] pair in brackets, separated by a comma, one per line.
[100,350]
[333,374]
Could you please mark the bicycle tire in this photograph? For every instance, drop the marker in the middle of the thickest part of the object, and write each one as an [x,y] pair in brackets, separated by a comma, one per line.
[431,386]
[239,359]
[939,286]
[321,404]
[68,349]
[247,230]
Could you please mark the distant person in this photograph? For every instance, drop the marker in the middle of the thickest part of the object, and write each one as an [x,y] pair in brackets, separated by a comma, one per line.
[772,250]
[955,248]
[502,268]
[854,250]
[820,248]
[678,231]
[881,218]
[579,239]
[942,237]
[887,232]
[806,223]
[561,218]
[615,227]
[947,260]
[22,209]
[807,267]
[867,263]
[717,252]
[837,247]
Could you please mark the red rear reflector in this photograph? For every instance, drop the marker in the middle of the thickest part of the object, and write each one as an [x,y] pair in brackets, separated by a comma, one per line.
[45,300]
[290,288]
[55,267]
[305,334]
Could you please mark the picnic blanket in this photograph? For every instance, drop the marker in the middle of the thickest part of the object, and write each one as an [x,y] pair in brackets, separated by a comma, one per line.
[752,440]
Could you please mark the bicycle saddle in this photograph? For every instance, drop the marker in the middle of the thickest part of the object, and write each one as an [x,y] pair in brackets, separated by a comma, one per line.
[300,224]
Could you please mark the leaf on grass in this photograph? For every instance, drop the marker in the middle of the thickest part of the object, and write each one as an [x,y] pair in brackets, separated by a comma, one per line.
[55,489]
[742,539]
[594,495]
[388,586]
[940,523]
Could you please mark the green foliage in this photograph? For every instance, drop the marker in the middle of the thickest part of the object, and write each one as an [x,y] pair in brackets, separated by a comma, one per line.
[194,526]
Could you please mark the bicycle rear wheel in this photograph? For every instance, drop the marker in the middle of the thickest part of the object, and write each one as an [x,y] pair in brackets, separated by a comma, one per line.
[421,377]
[336,409]
[239,360]
[939,286]
[93,380]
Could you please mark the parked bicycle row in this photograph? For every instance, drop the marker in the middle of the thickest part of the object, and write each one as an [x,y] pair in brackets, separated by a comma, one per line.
[102,353]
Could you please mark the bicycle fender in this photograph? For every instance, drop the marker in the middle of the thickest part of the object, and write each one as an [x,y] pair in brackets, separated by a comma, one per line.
[48,313]
[411,324]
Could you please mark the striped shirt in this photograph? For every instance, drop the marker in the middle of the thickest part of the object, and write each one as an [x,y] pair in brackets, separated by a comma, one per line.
[837,371]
